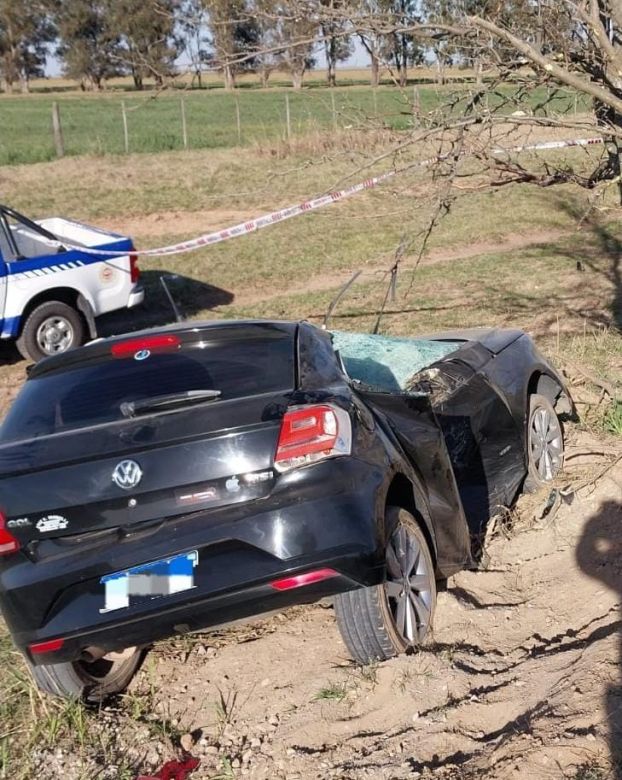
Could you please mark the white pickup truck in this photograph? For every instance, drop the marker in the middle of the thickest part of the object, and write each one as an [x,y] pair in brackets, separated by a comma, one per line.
[50,295]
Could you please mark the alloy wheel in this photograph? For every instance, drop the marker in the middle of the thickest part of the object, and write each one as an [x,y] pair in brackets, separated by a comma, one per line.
[546,447]
[409,586]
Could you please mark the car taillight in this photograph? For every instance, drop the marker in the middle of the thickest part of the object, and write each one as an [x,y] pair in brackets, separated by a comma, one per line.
[312,433]
[134,269]
[8,543]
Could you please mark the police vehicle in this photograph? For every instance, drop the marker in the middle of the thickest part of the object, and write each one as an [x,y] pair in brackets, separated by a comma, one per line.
[50,294]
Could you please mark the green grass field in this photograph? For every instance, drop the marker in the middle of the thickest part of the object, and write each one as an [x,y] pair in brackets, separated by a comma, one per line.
[93,124]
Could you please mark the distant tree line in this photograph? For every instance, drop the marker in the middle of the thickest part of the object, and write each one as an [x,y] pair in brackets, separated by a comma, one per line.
[96,40]
[575,43]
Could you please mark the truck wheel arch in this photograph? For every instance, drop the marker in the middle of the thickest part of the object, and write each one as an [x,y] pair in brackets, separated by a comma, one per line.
[68,295]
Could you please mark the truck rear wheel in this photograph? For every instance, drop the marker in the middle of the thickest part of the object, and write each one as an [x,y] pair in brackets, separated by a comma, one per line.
[51,328]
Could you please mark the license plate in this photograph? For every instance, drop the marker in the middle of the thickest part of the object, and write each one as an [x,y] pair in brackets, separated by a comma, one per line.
[149,581]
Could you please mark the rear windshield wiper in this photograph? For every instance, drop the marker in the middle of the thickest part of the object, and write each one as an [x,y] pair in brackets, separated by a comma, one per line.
[132,408]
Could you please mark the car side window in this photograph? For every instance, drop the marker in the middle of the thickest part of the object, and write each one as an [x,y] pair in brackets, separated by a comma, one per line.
[7,251]
[22,241]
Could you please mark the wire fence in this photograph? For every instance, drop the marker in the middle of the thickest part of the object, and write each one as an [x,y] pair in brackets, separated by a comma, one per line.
[38,128]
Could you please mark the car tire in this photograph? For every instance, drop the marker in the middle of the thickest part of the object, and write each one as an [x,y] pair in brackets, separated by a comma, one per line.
[91,682]
[382,621]
[51,328]
[545,444]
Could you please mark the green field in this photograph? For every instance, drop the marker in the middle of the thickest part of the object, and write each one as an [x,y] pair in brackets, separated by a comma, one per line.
[93,124]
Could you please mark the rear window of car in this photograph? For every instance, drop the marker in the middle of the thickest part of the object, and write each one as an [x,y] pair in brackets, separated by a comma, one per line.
[92,393]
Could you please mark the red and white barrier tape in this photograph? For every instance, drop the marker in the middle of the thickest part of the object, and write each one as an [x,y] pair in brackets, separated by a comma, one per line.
[250,226]
[549,145]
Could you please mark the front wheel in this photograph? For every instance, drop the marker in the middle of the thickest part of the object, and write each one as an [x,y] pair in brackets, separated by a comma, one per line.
[92,681]
[51,328]
[545,444]
[382,621]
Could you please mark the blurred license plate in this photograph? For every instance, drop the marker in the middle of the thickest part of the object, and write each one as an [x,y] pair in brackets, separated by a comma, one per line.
[149,581]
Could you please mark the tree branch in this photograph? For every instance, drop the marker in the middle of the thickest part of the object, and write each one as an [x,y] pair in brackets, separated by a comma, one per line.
[562,75]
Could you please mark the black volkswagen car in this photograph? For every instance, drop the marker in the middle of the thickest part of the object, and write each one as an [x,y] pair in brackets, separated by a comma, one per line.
[180,478]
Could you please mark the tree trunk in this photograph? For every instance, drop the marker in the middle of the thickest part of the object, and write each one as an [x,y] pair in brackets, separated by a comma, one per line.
[375,69]
[229,75]
[24,85]
[404,61]
[478,73]
[297,76]
[440,69]
[331,62]
[331,76]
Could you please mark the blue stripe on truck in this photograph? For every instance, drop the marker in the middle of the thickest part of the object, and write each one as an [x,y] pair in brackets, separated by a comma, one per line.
[64,261]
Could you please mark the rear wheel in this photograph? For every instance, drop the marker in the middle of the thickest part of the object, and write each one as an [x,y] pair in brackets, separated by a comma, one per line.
[51,328]
[90,681]
[545,443]
[382,621]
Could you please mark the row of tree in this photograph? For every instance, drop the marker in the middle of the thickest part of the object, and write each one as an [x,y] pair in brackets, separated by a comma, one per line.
[98,39]
[94,39]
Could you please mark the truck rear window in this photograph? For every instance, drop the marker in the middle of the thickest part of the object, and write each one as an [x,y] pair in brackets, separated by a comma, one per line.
[92,393]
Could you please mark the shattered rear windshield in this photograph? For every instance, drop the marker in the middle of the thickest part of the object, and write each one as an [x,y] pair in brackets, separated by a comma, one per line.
[92,393]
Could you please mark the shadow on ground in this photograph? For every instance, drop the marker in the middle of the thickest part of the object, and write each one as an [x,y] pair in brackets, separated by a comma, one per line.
[599,555]
[189,295]
[608,246]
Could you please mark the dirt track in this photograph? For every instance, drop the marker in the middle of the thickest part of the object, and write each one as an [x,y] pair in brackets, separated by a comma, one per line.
[521,680]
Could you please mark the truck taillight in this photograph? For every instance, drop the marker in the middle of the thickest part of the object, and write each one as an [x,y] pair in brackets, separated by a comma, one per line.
[134,269]
[8,543]
[312,433]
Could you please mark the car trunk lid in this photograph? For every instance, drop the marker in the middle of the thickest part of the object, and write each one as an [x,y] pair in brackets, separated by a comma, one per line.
[85,467]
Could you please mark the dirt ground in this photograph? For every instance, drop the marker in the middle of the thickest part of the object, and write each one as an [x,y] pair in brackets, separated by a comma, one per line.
[520,680]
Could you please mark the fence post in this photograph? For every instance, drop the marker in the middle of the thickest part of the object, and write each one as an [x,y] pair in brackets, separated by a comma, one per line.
[238,119]
[126,137]
[57,131]
[287,117]
[184,129]
[416,106]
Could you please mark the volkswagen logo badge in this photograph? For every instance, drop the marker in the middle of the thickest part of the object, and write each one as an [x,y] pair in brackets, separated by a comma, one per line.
[127,474]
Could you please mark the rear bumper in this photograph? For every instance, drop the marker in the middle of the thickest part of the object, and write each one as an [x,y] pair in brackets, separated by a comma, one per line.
[136,298]
[332,524]
[193,614]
